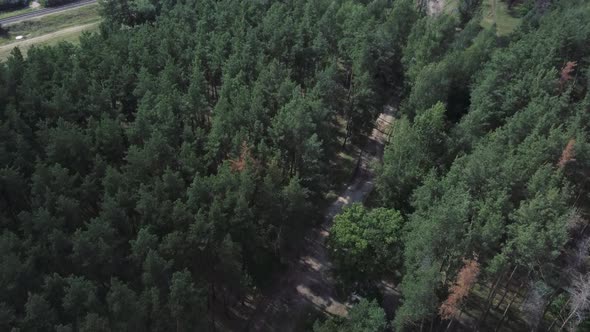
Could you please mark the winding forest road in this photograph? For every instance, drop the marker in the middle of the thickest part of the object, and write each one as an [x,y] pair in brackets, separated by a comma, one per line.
[308,281]
[45,11]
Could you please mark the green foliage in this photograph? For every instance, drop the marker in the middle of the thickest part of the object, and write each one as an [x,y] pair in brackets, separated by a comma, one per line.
[499,188]
[415,149]
[539,231]
[428,41]
[366,244]
[365,316]
[449,79]
[39,314]
[420,300]
[185,302]
[165,165]
[129,12]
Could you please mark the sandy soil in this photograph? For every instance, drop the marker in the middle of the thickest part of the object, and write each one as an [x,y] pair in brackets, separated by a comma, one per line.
[308,281]
[435,7]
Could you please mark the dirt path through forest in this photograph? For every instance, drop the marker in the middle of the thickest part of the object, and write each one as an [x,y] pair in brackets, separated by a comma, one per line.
[308,281]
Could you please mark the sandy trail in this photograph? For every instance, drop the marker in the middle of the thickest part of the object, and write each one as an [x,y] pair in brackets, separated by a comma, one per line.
[308,281]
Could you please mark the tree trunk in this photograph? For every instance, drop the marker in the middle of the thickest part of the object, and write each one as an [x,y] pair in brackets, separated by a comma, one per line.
[449,325]
[492,296]
[495,286]
[432,319]
[350,109]
[225,306]
[213,322]
[558,315]
[550,300]
[568,318]
[506,312]
[506,288]
[446,270]
[359,162]
[512,302]
[444,260]
[347,132]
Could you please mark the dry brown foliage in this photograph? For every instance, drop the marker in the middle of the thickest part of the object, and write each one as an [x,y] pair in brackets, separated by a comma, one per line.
[459,291]
[239,165]
[568,154]
[566,72]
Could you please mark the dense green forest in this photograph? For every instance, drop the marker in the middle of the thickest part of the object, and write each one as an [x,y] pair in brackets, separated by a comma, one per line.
[10,4]
[160,172]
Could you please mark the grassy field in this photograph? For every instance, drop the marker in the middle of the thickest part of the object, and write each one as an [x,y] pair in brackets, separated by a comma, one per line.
[71,34]
[493,11]
[51,23]
[11,13]
[496,11]
[451,7]
[50,29]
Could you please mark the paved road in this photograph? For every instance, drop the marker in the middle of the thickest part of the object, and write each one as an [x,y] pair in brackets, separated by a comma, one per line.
[44,11]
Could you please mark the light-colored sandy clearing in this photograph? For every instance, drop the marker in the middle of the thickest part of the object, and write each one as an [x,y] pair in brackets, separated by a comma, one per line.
[435,7]
[54,37]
